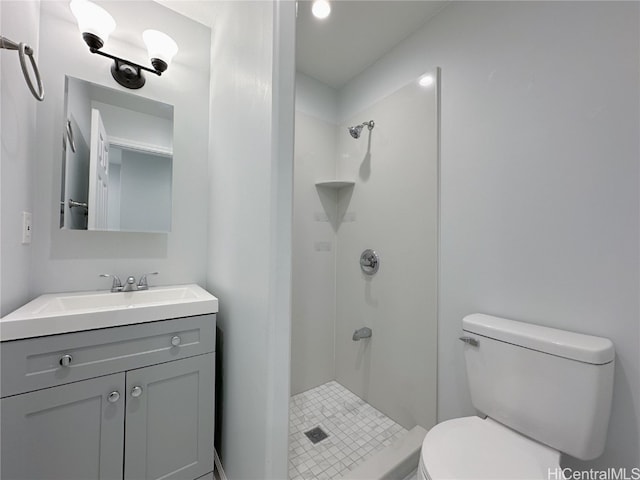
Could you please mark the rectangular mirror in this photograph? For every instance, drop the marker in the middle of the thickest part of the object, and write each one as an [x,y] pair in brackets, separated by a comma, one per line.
[117,160]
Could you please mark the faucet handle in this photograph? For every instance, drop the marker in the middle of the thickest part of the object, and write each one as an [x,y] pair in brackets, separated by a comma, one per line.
[116,286]
[142,284]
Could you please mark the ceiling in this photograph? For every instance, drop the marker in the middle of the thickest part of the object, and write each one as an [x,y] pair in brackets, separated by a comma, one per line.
[355,35]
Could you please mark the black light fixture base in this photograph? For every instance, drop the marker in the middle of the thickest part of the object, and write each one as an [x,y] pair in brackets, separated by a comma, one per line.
[125,72]
[93,41]
[159,65]
[127,75]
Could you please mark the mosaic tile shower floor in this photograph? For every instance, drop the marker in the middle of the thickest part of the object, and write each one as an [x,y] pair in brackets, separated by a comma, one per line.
[355,431]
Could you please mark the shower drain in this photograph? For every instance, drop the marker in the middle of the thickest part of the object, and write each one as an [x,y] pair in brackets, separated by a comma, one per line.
[316,435]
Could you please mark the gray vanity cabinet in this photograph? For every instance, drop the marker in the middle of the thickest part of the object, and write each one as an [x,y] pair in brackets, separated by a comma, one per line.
[62,433]
[134,402]
[167,407]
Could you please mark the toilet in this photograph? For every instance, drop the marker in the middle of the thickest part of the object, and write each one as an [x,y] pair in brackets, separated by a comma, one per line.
[541,391]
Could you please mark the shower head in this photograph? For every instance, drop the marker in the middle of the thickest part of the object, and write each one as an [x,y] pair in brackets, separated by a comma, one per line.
[355,131]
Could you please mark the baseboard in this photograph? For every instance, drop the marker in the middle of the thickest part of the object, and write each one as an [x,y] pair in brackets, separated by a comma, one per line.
[218,470]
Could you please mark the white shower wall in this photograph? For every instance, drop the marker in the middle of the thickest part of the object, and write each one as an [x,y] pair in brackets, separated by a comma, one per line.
[392,208]
[313,288]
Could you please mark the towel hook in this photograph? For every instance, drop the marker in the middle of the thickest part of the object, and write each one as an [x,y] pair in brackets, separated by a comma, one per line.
[25,50]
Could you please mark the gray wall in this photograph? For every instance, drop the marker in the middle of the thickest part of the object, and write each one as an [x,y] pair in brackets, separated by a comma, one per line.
[65,260]
[113,210]
[539,180]
[19,21]
[250,178]
[145,192]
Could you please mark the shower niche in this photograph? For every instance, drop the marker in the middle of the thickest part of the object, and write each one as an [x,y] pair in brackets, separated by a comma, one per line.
[335,184]
[334,196]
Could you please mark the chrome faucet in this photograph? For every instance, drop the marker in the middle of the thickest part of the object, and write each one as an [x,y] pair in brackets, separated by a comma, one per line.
[116,286]
[130,285]
[142,284]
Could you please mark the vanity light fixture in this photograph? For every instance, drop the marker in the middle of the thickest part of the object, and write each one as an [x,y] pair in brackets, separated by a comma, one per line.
[96,24]
[321,8]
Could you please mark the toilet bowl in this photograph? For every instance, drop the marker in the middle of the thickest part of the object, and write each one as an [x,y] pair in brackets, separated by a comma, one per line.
[473,448]
[518,375]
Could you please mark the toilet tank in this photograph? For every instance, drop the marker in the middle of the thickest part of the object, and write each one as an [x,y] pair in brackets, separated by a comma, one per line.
[551,385]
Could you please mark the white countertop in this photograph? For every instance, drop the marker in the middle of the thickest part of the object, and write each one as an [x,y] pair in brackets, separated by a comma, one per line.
[72,312]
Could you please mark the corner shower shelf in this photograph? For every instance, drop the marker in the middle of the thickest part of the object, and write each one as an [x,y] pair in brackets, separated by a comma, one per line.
[335,184]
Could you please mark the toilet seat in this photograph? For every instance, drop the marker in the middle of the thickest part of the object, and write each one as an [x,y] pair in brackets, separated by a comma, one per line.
[473,448]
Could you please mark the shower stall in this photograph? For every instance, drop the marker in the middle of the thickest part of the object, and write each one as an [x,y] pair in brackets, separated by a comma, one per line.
[365,250]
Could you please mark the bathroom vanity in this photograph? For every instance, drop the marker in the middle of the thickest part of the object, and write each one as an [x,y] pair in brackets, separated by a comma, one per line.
[130,396]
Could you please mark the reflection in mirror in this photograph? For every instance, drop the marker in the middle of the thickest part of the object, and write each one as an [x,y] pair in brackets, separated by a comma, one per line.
[117,160]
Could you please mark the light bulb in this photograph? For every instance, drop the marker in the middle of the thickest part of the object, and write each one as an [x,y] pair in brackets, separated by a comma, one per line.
[321,8]
[426,80]
[93,20]
[161,48]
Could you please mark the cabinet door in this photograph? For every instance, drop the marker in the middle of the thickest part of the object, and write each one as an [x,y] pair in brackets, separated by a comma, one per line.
[169,418]
[71,432]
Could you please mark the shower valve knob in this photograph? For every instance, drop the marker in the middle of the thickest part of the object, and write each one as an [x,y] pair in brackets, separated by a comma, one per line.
[369,262]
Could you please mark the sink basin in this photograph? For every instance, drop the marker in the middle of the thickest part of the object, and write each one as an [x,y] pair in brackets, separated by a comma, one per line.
[69,312]
[72,303]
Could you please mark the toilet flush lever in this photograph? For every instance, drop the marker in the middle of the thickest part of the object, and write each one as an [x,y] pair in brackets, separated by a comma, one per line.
[470,341]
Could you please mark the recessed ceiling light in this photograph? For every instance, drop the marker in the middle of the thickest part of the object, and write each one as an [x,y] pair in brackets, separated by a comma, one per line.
[321,8]
[426,80]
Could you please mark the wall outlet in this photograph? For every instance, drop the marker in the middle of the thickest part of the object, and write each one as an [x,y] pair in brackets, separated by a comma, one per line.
[26,228]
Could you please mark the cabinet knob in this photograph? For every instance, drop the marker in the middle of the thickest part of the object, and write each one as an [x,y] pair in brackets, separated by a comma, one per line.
[113,397]
[136,391]
[66,360]
[175,341]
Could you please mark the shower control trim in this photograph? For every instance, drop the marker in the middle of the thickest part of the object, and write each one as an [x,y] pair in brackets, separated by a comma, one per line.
[369,262]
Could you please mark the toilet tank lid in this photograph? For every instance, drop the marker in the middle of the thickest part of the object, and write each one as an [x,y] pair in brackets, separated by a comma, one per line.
[575,346]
